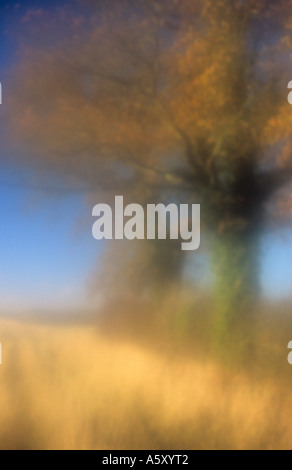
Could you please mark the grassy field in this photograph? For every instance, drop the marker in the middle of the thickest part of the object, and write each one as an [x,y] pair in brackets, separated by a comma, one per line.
[72,387]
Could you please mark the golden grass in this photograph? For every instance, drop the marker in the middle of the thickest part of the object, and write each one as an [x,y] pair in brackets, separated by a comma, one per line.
[73,388]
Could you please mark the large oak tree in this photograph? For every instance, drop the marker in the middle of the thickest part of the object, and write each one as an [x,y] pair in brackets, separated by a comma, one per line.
[166,100]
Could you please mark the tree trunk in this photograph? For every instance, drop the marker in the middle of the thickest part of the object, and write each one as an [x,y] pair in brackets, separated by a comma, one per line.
[236,288]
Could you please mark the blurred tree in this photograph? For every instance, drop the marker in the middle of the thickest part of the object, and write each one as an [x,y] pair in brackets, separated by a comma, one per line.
[166,100]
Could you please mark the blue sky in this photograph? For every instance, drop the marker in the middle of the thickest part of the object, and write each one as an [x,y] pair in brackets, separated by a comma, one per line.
[47,251]
[276,264]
